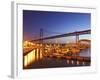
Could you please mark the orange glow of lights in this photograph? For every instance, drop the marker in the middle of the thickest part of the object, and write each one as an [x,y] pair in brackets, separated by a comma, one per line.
[78,62]
[25,60]
[29,58]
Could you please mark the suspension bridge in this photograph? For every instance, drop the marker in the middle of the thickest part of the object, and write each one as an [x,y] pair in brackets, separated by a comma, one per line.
[77,33]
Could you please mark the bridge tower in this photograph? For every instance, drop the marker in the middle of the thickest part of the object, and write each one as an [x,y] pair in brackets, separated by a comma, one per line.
[41,42]
[41,35]
[77,37]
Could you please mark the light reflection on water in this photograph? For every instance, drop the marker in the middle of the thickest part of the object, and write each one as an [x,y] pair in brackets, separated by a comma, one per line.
[68,62]
[72,62]
[77,62]
[36,55]
[29,58]
[32,57]
[83,63]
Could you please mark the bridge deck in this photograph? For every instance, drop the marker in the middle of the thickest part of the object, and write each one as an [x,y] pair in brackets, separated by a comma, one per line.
[65,35]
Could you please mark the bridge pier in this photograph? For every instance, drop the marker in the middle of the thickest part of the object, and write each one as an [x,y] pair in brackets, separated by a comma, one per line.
[77,38]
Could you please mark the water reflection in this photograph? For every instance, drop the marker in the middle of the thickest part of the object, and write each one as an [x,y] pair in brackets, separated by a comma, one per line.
[83,63]
[32,56]
[72,62]
[35,59]
[68,62]
[29,58]
[77,62]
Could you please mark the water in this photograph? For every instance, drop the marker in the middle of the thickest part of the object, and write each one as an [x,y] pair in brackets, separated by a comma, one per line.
[86,53]
[47,62]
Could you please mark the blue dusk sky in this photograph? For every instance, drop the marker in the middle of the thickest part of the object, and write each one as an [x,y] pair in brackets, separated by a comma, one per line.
[54,23]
